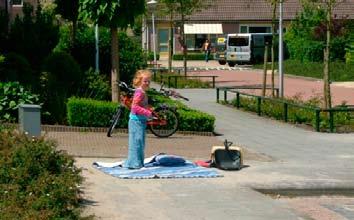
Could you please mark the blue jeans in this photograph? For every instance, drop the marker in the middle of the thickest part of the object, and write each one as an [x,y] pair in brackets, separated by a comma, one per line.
[207,53]
[136,149]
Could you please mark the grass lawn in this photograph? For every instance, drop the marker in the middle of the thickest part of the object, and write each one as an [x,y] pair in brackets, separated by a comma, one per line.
[339,71]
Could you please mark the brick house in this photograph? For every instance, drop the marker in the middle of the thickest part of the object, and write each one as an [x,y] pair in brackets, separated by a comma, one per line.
[228,16]
[14,7]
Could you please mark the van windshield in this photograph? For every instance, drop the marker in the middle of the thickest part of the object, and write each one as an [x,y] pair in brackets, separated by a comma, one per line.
[238,41]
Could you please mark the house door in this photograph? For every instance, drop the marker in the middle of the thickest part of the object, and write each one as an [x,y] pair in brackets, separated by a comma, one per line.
[163,42]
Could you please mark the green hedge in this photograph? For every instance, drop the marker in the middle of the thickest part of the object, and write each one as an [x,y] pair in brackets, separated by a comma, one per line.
[93,113]
[193,120]
[150,56]
[192,56]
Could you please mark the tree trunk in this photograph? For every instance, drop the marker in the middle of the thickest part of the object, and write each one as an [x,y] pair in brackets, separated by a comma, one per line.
[184,47]
[265,70]
[74,31]
[170,44]
[115,64]
[326,70]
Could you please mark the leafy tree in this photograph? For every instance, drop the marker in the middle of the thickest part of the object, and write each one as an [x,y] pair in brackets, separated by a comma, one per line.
[69,9]
[300,35]
[33,36]
[274,4]
[4,27]
[328,6]
[183,8]
[113,14]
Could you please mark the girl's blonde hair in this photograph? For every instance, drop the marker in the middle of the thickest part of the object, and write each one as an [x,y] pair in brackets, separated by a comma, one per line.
[139,76]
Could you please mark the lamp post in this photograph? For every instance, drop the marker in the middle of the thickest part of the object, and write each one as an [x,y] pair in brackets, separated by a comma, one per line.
[97,55]
[152,5]
[280,61]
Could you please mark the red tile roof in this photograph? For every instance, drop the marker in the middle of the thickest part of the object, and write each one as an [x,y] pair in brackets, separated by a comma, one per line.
[257,10]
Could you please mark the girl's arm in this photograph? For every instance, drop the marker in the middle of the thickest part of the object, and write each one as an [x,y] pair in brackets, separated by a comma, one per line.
[137,107]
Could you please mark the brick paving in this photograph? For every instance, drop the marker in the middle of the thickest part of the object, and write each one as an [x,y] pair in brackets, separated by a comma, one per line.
[97,144]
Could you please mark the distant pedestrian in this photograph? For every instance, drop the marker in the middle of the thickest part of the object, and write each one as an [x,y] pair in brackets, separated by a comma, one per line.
[206,48]
[139,114]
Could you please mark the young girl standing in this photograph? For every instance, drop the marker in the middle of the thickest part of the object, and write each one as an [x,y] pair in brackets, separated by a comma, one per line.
[137,120]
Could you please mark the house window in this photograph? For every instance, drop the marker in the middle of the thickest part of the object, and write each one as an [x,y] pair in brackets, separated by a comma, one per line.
[190,41]
[243,29]
[260,29]
[255,29]
[17,2]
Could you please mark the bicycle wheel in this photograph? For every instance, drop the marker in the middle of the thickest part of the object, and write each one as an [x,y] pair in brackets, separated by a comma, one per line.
[166,123]
[114,121]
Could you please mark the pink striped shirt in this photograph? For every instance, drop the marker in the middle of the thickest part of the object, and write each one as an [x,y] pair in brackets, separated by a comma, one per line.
[139,104]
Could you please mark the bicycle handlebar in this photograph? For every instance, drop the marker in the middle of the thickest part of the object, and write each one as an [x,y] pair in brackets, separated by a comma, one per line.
[169,93]
[125,87]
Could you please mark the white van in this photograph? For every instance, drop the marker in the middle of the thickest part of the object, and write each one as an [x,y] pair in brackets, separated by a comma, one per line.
[246,48]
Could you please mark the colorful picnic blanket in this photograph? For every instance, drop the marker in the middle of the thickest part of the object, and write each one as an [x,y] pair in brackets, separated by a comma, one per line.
[174,168]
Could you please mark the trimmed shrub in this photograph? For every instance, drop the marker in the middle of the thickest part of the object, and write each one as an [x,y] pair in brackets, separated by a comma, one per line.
[182,82]
[36,181]
[150,56]
[193,120]
[93,113]
[192,56]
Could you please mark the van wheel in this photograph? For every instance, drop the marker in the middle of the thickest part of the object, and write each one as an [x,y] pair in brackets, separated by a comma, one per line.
[222,62]
[231,64]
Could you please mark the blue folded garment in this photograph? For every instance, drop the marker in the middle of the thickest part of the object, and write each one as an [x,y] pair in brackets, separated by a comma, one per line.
[169,160]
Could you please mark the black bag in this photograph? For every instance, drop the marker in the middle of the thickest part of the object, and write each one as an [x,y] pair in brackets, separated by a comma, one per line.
[227,157]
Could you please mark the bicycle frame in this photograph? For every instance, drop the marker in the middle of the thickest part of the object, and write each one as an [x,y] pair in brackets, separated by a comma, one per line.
[164,122]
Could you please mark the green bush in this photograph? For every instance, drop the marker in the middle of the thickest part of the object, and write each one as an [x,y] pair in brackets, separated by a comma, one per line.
[11,95]
[93,113]
[192,56]
[299,112]
[60,79]
[94,86]
[36,181]
[15,67]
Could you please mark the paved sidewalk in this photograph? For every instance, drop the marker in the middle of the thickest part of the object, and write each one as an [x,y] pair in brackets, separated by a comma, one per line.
[278,156]
[303,87]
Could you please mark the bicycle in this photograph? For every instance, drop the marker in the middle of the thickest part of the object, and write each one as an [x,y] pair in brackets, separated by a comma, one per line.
[164,121]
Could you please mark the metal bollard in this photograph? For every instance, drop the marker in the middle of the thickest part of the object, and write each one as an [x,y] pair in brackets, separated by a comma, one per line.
[29,117]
